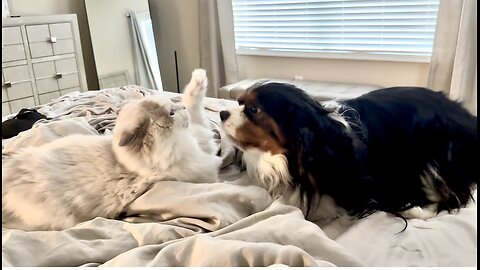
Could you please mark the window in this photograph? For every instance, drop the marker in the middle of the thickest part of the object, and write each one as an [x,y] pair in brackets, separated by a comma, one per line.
[351,29]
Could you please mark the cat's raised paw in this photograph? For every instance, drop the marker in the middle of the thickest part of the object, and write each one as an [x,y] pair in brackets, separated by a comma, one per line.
[198,84]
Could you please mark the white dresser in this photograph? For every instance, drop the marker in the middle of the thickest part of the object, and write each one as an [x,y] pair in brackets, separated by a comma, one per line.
[41,60]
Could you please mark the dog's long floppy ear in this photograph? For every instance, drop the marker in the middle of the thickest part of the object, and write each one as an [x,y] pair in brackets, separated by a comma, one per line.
[135,135]
[308,162]
[326,160]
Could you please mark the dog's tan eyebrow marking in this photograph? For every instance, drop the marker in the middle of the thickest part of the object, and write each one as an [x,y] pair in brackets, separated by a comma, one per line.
[247,97]
[241,99]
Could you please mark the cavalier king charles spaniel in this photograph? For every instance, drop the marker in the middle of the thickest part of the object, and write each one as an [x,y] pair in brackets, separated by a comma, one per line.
[408,151]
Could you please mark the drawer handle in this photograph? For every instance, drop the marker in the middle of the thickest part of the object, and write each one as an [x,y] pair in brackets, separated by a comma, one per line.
[53,39]
[58,75]
[7,84]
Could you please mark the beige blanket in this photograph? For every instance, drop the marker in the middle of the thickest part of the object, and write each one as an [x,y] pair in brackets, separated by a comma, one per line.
[275,235]
[175,223]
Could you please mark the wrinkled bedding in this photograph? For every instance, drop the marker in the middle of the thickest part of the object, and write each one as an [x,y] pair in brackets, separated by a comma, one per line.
[232,223]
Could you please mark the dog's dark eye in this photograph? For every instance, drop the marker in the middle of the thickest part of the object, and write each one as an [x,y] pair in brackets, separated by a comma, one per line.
[172,112]
[252,110]
[241,102]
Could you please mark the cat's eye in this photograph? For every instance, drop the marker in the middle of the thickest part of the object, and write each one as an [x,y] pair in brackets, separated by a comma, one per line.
[176,108]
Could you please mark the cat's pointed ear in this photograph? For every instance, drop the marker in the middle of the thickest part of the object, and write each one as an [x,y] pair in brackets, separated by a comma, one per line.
[134,136]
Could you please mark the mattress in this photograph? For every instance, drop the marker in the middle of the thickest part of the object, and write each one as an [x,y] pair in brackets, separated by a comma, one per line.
[230,223]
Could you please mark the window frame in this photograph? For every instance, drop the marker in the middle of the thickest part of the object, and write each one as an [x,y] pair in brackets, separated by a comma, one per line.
[350,55]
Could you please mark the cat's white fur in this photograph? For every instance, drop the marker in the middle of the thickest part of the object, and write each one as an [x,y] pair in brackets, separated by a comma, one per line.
[76,178]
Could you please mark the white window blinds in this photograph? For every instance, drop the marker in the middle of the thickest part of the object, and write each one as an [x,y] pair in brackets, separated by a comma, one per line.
[340,26]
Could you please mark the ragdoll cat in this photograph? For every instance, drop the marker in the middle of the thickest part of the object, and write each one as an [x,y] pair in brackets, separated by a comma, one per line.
[78,177]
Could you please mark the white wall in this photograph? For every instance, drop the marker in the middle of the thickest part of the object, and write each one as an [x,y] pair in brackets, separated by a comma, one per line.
[380,73]
[53,7]
[111,34]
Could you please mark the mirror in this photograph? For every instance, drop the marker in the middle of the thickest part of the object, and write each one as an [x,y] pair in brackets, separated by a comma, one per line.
[123,43]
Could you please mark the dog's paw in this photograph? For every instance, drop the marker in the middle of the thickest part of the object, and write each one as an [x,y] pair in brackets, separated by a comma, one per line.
[198,84]
[419,213]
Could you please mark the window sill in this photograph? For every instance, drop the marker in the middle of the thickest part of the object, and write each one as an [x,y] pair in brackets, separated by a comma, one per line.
[370,56]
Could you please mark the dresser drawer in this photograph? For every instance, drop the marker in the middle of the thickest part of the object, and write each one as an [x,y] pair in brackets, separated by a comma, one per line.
[11,35]
[17,82]
[12,44]
[46,85]
[50,39]
[63,46]
[68,68]
[69,81]
[16,74]
[44,69]
[61,30]
[4,94]
[4,90]
[46,98]
[5,109]
[40,49]
[13,53]
[45,77]
[38,33]
[67,65]
[17,105]
[20,90]
[54,75]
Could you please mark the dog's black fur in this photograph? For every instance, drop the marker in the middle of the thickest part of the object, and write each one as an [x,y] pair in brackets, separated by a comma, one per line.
[395,135]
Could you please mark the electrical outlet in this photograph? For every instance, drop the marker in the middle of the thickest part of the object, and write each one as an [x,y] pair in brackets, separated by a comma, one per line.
[298,78]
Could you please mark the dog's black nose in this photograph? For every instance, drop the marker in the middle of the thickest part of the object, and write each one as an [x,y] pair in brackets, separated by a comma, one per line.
[224,115]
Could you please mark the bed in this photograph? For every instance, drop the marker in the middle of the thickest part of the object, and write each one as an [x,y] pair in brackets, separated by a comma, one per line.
[231,223]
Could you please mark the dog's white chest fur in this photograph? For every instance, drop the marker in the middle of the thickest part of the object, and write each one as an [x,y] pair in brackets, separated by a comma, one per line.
[270,170]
